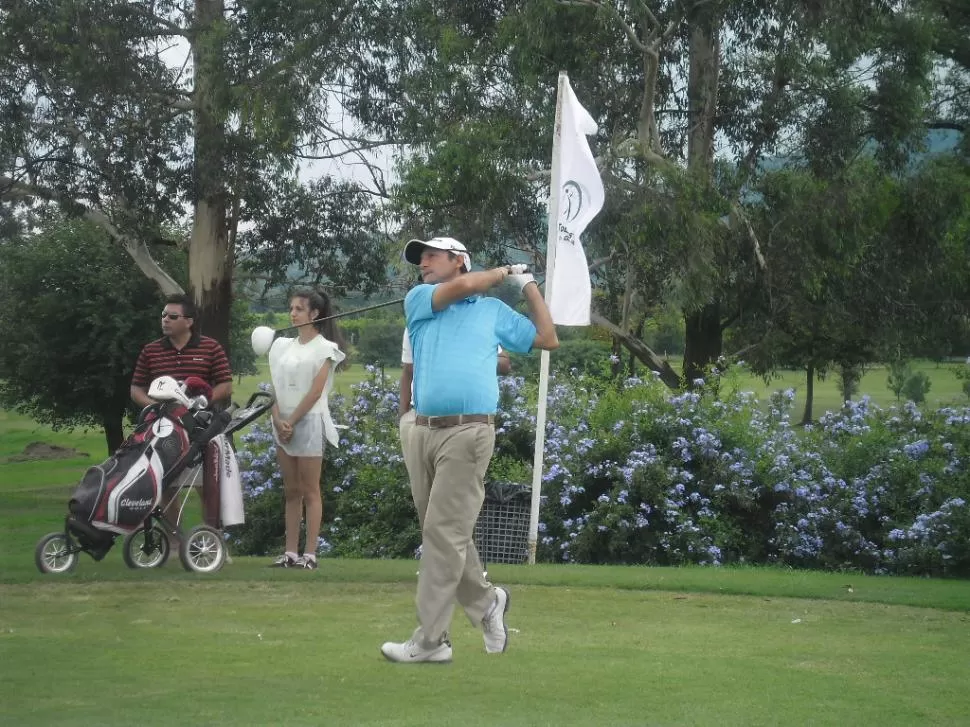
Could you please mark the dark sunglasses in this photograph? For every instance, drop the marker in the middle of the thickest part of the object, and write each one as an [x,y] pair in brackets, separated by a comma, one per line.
[173,316]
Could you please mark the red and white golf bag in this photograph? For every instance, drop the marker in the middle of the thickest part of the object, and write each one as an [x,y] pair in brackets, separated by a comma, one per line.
[118,494]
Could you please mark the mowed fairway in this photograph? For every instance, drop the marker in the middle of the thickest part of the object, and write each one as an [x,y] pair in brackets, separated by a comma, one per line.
[256,647]
[590,645]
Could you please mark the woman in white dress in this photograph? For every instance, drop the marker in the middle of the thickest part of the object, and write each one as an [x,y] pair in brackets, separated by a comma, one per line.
[302,370]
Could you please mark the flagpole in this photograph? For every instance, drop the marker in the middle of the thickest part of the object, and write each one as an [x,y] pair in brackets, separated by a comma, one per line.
[552,237]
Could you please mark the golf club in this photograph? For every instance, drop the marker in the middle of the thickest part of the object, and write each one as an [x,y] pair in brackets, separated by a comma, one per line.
[262,336]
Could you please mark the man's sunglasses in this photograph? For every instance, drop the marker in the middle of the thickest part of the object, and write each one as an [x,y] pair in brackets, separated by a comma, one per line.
[174,316]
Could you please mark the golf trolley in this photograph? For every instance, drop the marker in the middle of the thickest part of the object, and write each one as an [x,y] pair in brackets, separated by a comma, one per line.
[176,439]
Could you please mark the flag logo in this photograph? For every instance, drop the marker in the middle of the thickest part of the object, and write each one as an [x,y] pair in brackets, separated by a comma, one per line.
[572,201]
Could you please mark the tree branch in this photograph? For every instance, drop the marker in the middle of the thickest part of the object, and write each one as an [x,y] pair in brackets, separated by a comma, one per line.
[946,124]
[628,29]
[738,213]
[639,349]
[169,28]
[138,251]
[10,189]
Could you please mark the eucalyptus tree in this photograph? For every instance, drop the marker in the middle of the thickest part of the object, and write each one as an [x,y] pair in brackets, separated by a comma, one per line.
[691,97]
[134,114]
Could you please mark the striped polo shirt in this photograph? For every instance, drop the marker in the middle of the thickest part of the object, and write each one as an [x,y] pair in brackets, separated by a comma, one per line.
[456,350]
[201,356]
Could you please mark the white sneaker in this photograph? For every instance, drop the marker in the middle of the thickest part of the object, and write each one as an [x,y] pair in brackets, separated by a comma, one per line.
[495,631]
[410,652]
[305,561]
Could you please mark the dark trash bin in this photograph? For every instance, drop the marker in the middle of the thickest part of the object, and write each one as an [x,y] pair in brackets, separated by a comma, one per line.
[502,529]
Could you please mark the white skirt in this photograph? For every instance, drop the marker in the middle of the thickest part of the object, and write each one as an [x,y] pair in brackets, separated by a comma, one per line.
[307,439]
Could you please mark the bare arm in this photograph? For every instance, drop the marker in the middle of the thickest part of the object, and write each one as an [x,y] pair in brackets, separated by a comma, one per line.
[465,285]
[546,337]
[311,397]
[222,392]
[504,363]
[284,430]
[407,377]
[139,395]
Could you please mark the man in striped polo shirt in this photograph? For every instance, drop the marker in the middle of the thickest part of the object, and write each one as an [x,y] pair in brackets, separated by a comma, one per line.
[181,352]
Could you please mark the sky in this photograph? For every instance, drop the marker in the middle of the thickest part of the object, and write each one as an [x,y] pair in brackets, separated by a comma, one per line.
[348,167]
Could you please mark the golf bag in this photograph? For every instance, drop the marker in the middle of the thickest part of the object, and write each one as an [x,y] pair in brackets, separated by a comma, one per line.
[117,495]
[121,496]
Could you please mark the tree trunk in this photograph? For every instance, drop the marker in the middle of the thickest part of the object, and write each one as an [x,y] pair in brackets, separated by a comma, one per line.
[809,394]
[704,330]
[210,259]
[210,271]
[114,434]
[703,340]
[639,335]
[705,61]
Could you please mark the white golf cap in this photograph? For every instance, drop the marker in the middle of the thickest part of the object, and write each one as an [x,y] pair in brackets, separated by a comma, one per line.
[412,251]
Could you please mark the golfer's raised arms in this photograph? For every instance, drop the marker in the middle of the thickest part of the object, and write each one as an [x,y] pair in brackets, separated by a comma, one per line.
[466,286]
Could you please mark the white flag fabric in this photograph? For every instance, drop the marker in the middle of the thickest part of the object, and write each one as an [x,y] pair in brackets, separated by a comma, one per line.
[580,199]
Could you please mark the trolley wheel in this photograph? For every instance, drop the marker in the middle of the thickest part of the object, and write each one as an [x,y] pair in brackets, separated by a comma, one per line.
[202,550]
[146,549]
[54,554]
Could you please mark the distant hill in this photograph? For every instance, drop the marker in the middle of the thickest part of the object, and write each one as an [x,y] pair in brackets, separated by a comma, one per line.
[942,141]
[937,142]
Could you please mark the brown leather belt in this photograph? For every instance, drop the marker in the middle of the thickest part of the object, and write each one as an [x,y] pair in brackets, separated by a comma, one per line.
[454,420]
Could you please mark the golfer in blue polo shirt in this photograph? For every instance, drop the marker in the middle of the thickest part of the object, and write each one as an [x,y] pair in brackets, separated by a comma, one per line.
[455,333]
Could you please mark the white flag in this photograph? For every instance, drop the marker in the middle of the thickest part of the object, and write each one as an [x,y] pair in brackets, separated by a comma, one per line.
[580,199]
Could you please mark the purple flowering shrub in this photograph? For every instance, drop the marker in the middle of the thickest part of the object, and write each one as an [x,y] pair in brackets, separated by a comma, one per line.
[635,474]
[903,487]
[367,504]
[366,482]
[262,533]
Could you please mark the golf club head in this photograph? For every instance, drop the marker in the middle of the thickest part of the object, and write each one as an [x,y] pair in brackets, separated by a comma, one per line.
[165,388]
[194,386]
[262,339]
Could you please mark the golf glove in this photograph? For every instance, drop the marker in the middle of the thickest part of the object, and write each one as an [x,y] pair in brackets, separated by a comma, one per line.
[519,276]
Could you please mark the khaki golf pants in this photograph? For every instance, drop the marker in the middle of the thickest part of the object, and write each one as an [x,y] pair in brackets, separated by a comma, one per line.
[447,471]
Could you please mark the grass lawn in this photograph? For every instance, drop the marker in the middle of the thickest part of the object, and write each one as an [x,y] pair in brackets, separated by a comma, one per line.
[243,386]
[590,645]
[945,388]
[252,646]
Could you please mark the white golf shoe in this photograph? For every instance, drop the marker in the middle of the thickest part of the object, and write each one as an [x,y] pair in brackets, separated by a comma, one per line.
[494,629]
[411,652]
